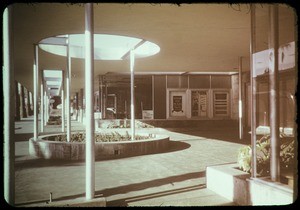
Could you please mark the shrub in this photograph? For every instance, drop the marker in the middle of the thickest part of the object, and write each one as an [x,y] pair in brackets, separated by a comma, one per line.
[263,155]
[99,137]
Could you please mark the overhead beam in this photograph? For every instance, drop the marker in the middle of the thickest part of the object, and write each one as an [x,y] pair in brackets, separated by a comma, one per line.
[127,54]
[55,41]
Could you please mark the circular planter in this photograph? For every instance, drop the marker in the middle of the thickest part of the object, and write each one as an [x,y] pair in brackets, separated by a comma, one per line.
[48,149]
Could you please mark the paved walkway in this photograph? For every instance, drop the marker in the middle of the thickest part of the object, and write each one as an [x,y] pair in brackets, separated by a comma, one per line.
[173,178]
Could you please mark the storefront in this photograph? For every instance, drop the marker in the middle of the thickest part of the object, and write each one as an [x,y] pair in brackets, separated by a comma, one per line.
[172,96]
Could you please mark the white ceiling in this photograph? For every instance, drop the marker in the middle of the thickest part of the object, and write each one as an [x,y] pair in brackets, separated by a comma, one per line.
[192,37]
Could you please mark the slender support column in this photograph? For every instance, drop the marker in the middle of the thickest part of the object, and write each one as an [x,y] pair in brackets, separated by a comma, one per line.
[24,113]
[62,108]
[42,106]
[132,121]
[81,106]
[35,87]
[20,99]
[45,108]
[28,103]
[68,84]
[253,92]
[31,102]
[76,105]
[89,101]
[17,97]
[101,97]
[8,107]
[105,101]
[99,92]
[240,100]
[274,93]
[153,95]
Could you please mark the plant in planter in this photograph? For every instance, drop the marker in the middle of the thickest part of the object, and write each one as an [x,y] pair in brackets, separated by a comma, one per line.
[263,155]
[99,137]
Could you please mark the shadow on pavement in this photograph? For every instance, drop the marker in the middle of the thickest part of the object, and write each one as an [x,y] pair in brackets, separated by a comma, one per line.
[228,135]
[144,185]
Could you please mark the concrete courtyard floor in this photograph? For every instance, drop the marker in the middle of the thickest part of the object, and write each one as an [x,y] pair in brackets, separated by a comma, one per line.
[175,177]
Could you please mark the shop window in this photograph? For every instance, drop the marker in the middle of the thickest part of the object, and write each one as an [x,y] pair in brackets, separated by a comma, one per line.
[221,81]
[199,81]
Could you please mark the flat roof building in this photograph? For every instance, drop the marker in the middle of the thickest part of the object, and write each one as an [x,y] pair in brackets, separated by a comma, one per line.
[140,65]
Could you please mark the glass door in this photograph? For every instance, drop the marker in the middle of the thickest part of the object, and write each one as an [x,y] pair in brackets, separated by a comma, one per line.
[177,104]
[199,103]
[221,104]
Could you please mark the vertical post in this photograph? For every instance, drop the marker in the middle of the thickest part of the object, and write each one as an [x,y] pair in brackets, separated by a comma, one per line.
[21,101]
[17,98]
[89,98]
[99,92]
[153,95]
[76,105]
[274,93]
[240,100]
[79,105]
[125,109]
[47,107]
[28,103]
[81,108]
[24,114]
[68,84]
[105,100]
[8,105]
[63,104]
[132,121]
[35,87]
[101,98]
[42,105]
[253,92]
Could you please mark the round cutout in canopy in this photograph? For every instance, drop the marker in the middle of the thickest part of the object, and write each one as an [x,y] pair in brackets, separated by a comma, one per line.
[106,46]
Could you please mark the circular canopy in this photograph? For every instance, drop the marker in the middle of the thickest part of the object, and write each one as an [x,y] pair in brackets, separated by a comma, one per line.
[106,47]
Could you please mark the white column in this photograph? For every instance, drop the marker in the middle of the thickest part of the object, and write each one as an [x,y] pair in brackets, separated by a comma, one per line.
[68,84]
[101,97]
[89,101]
[240,100]
[62,107]
[8,108]
[42,107]
[36,94]
[45,108]
[132,121]
[153,95]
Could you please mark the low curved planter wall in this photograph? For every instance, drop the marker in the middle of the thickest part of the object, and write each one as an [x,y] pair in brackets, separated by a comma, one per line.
[103,150]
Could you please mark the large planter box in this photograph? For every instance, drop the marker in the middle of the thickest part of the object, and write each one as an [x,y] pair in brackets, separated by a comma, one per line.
[229,182]
[237,186]
[103,150]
